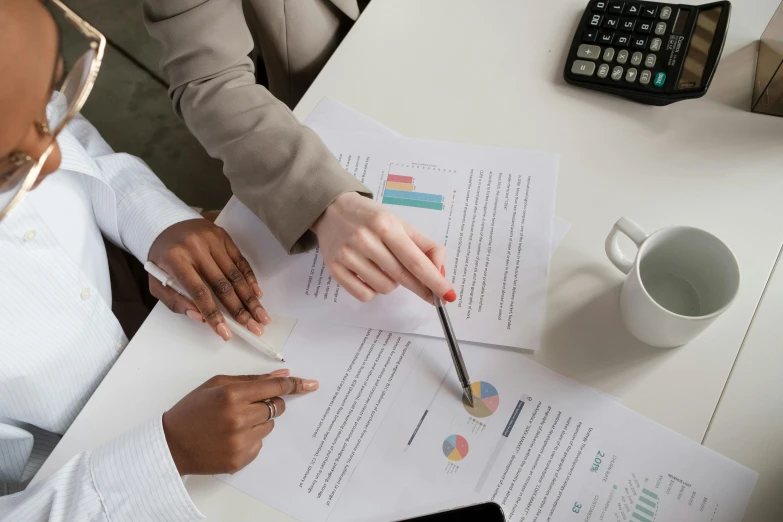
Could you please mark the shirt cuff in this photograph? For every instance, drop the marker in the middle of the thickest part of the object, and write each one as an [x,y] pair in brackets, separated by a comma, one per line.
[137,479]
[145,213]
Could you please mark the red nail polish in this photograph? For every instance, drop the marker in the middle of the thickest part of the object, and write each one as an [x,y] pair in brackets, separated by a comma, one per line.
[450,296]
[443,270]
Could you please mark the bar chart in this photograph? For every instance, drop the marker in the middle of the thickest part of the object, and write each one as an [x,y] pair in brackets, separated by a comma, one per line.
[401,190]
[645,509]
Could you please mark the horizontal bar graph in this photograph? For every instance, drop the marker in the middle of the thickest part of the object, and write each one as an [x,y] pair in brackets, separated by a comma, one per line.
[646,512]
[400,190]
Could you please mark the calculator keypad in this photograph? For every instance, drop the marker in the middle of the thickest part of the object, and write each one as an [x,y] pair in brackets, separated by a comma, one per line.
[620,42]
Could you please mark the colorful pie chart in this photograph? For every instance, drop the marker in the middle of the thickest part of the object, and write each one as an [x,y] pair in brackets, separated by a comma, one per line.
[485,400]
[455,447]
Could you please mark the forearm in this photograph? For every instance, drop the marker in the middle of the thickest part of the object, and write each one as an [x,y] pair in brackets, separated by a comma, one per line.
[280,169]
[132,477]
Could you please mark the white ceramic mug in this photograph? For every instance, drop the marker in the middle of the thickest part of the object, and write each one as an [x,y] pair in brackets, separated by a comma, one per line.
[681,280]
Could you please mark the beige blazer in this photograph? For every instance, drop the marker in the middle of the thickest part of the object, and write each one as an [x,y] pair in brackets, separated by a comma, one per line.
[277,167]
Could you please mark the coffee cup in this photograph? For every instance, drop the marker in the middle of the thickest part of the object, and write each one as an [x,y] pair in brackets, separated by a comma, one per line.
[680,281]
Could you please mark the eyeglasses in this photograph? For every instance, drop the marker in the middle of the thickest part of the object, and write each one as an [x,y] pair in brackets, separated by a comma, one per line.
[18,171]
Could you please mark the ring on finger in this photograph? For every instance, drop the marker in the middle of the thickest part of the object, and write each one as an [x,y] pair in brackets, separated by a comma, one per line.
[272,408]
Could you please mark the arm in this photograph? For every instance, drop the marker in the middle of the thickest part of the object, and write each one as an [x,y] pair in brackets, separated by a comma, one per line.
[277,167]
[132,477]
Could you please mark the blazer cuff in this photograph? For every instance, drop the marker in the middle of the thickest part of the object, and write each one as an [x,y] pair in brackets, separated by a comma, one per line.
[297,237]
[137,479]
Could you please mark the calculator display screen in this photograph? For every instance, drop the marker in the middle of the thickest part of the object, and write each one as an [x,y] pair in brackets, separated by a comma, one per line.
[701,43]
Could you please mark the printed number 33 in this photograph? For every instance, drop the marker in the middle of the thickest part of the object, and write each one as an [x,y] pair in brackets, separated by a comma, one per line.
[577,507]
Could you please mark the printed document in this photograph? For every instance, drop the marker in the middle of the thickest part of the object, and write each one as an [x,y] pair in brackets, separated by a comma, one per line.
[388,437]
[491,208]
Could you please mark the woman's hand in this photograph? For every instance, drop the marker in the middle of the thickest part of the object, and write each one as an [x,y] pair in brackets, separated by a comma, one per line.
[370,251]
[219,426]
[203,259]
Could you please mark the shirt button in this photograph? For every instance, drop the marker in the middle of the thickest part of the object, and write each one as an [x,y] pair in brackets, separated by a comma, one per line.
[118,346]
[29,235]
[85,293]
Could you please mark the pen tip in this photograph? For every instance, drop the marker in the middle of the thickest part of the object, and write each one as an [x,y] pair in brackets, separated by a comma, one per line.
[282,360]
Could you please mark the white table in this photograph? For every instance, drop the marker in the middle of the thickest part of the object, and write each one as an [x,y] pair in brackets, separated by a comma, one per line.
[748,424]
[490,72]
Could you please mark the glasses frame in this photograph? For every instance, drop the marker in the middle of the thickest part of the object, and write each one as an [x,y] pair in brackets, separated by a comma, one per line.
[97,44]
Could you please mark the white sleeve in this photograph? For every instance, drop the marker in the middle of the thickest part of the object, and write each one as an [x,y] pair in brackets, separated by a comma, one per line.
[132,477]
[131,205]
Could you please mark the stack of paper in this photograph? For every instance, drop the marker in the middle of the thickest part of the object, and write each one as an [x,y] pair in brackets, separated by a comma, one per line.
[387,436]
[492,208]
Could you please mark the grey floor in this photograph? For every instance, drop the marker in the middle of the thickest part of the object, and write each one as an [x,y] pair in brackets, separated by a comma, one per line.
[130,106]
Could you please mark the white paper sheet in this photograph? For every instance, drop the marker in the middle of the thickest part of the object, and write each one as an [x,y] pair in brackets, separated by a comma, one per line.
[331,114]
[387,437]
[492,208]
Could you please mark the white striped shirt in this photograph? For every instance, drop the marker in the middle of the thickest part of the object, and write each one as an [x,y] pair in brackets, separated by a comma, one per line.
[59,338]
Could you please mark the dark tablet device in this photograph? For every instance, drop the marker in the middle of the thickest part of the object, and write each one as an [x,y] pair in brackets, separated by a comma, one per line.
[489,512]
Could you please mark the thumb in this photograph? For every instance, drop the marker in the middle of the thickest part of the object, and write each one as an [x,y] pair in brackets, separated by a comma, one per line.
[175,302]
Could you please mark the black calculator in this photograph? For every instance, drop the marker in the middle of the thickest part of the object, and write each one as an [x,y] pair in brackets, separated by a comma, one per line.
[649,52]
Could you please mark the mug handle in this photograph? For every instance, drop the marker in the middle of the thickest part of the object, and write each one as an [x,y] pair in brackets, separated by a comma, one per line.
[613,252]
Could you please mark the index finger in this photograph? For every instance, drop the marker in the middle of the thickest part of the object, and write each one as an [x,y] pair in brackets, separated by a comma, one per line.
[254,391]
[411,255]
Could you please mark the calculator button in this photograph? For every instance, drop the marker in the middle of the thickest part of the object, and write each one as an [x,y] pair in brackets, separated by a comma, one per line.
[630,76]
[660,79]
[666,13]
[636,58]
[583,68]
[645,77]
[611,22]
[605,37]
[590,52]
[595,20]
[639,42]
[649,62]
[616,7]
[644,27]
[622,40]
[632,9]
[622,57]
[628,24]
[600,5]
[617,73]
[603,71]
[655,45]
[649,11]
[660,28]
[608,54]
[590,35]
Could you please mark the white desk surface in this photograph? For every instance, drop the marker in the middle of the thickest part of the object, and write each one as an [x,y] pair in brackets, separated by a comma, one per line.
[490,72]
[748,424]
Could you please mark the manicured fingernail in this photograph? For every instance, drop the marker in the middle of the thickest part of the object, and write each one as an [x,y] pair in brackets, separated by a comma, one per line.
[196,316]
[443,270]
[263,317]
[450,296]
[255,328]
[223,331]
[310,385]
[257,290]
[282,372]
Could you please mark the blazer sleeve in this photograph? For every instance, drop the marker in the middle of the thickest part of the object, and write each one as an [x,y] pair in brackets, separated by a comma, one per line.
[277,167]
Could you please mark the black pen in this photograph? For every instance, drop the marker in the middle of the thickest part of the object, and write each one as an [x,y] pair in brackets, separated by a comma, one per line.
[456,354]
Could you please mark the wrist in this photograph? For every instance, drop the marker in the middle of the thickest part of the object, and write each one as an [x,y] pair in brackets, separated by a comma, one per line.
[178,455]
[333,207]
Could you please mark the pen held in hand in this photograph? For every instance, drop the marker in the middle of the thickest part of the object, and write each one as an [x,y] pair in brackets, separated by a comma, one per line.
[456,353]
[162,276]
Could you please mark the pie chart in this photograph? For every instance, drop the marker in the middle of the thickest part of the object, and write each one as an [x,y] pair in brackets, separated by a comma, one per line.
[485,400]
[455,447]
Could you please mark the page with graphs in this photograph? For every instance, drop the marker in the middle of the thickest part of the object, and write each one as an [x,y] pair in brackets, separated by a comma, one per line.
[491,208]
[388,436]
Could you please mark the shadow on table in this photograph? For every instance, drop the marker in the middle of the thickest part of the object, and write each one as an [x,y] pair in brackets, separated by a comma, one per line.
[592,345]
